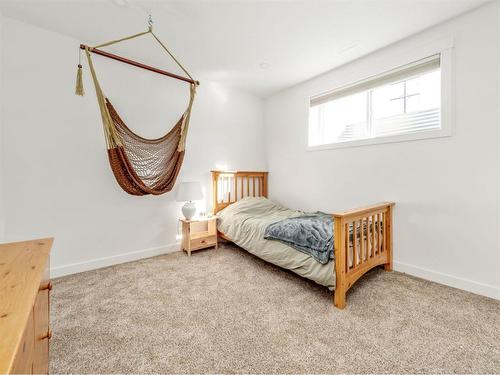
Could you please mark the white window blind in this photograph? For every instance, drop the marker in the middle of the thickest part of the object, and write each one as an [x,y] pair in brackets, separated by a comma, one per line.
[403,100]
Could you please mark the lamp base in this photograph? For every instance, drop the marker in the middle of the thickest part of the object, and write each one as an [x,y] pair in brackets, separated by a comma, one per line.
[188,210]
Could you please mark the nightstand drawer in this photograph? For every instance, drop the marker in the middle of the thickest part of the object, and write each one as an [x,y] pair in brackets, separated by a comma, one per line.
[200,243]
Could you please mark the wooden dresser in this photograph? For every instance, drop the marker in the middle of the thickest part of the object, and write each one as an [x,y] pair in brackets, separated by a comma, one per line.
[24,307]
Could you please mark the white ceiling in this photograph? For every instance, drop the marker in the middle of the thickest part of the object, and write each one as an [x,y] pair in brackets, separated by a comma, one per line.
[229,40]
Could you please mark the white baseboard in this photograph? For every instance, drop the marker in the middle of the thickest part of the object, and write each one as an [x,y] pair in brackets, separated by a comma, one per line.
[450,280]
[424,273]
[93,264]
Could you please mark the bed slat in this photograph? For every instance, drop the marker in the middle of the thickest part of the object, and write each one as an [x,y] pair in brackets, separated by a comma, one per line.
[373,236]
[362,240]
[354,245]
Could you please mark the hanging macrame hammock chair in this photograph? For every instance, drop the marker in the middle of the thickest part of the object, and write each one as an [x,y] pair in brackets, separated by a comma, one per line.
[141,166]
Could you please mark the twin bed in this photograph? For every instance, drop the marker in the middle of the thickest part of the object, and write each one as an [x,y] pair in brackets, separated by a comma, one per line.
[362,237]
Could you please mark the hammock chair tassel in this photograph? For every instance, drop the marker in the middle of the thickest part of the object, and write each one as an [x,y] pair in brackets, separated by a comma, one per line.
[79,81]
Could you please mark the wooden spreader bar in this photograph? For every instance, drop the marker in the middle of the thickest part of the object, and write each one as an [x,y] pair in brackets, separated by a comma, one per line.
[140,65]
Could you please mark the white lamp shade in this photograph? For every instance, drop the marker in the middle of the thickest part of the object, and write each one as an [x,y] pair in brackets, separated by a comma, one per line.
[189,191]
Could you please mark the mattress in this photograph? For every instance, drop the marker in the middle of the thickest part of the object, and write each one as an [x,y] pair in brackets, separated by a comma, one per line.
[245,222]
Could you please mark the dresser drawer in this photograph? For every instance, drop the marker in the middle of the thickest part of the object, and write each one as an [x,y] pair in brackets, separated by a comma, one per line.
[200,243]
[42,333]
[41,324]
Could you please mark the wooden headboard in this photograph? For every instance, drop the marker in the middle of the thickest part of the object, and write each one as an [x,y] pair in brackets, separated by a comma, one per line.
[231,186]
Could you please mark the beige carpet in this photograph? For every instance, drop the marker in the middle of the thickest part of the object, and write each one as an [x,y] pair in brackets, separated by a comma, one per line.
[226,311]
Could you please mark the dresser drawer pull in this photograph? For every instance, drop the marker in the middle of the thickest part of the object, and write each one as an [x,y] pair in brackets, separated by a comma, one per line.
[47,286]
[48,335]
[203,241]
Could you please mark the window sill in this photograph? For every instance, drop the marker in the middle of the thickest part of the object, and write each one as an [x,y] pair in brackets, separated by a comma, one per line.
[381,140]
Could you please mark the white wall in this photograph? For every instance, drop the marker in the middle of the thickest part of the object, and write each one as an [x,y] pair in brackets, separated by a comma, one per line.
[57,178]
[447,190]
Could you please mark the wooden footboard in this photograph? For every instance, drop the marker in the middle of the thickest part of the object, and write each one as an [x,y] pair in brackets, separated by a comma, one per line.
[363,240]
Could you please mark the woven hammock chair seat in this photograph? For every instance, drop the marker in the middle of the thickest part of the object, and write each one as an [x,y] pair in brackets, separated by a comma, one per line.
[145,166]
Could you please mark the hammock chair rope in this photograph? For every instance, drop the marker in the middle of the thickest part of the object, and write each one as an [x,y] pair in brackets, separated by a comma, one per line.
[141,166]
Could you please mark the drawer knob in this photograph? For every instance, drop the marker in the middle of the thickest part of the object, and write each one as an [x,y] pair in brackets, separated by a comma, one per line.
[47,286]
[203,241]
[48,335]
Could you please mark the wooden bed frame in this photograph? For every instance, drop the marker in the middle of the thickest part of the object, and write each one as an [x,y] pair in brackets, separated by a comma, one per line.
[363,237]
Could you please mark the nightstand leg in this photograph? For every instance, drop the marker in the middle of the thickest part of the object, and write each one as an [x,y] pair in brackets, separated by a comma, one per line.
[189,253]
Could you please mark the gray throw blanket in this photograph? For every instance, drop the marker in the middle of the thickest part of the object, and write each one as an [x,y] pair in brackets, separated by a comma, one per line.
[311,233]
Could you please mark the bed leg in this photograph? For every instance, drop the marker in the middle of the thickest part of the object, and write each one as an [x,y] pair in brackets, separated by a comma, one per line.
[388,245]
[340,262]
[339,298]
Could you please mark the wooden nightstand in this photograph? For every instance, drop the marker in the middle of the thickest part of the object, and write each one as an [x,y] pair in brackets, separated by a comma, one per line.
[198,234]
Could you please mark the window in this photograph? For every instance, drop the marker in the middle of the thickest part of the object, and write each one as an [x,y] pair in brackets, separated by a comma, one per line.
[404,101]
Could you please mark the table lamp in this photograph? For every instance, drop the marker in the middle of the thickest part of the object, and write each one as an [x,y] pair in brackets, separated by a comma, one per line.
[189,192]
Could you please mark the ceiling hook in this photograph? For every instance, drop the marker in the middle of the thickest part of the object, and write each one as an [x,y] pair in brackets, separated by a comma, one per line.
[150,22]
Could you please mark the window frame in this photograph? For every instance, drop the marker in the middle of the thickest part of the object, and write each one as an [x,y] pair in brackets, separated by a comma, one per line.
[442,47]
